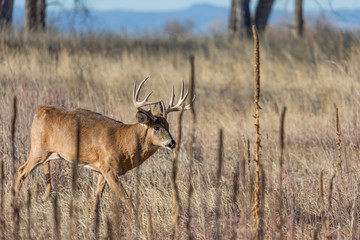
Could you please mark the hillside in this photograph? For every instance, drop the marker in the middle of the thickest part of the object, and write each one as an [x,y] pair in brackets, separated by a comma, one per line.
[204,18]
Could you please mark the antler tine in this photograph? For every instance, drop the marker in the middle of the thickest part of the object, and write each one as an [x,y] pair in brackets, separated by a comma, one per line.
[179,104]
[172,96]
[163,109]
[181,99]
[137,90]
[188,107]
[182,90]
[136,93]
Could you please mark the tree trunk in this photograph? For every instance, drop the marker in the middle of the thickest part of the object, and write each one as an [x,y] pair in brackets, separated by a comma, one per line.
[30,16]
[262,14]
[240,21]
[41,15]
[232,20]
[6,11]
[298,18]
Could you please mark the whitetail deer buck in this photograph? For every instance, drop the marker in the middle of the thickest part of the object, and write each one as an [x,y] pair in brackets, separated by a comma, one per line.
[106,146]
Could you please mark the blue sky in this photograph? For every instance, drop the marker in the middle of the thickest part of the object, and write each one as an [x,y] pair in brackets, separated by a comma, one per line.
[163,5]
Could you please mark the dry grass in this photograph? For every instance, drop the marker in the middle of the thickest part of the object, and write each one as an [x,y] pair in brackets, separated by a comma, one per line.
[97,73]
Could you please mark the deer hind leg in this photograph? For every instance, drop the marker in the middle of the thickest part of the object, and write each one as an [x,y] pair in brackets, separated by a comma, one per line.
[35,159]
[47,180]
[48,189]
[116,186]
[98,199]
[99,191]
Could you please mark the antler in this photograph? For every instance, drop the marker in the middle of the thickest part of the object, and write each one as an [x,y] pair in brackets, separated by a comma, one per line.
[144,102]
[180,104]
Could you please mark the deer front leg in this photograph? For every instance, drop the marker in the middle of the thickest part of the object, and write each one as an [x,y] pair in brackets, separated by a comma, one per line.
[36,157]
[116,186]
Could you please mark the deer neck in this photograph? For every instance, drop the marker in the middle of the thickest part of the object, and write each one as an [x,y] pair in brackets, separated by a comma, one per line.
[140,132]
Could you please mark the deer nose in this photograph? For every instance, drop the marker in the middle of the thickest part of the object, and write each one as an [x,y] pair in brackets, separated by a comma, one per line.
[172,144]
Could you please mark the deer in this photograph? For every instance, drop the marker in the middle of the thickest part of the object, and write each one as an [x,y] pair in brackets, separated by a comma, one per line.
[107,146]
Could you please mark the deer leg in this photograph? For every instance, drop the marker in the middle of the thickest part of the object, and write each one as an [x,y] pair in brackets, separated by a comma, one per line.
[102,213]
[47,180]
[99,190]
[34,160]
[98,201]
[115,185]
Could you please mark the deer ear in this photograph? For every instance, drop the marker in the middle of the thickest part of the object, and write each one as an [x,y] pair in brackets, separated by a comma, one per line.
[142,117]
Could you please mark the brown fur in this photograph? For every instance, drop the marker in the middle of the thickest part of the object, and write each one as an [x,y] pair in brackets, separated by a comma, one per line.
[107,146]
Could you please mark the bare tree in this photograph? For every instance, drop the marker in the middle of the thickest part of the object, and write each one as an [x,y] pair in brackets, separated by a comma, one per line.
[41,15]
[298,18]
[35,14]
[30,16]
[262,14]
[240,20]
[6,11]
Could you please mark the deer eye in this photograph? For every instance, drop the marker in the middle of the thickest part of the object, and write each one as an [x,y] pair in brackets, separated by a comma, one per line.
[157,128]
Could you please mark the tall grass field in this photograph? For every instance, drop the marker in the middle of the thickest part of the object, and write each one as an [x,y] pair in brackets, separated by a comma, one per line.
[300,181]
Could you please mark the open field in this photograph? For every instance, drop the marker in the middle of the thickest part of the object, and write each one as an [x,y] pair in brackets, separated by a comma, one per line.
[307,76]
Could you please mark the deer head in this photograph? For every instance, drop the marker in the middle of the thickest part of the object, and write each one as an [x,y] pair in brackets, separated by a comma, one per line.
[156,124]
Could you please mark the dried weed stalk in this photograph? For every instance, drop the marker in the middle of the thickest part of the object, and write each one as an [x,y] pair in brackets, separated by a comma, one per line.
[338,144]
[109,232]
[137,188]
[2,193]
[149,228]
[321,194]
[15,205]
[56,224]
[28,208]
[190,144]
[74,177]
[174,186]
[329,198]
[281,160]
[315,234]
[235,196]
[354,215]
[258,222]
[243,167]
[218,194]
[95,230]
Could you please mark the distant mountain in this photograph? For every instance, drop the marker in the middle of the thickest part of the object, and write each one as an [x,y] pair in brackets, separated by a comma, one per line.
[204,18]
[342,18]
